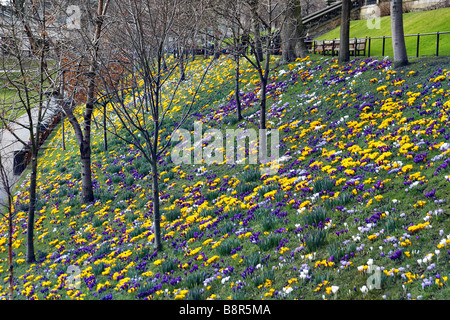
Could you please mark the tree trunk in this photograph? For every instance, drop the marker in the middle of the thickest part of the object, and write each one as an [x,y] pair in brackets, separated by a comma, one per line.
[344,44]
[256,25]
[398,38]
[236,89]
[87,192]
[32,207]
[105,136]
[84,136]
[10,241]
[182,75]
[156,212]
[262,116]
[293,45]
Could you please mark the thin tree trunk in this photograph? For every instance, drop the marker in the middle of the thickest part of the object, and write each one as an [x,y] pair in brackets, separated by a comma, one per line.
[10,241]
[344,45]
[262,116]
[236,89]
[87,192]
[84,137]
[398,38]
[256,25]
[156,211]
[105,136]
[182,75]
[293,44]
[32,207]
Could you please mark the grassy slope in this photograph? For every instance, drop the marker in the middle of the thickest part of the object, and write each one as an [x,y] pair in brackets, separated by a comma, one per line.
[414,22]
[207,238]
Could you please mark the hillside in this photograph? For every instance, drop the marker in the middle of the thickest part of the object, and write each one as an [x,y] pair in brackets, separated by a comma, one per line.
[413,22]
[364,182]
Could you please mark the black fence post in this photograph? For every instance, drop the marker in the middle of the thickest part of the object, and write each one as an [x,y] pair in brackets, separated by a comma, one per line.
[384,41]
[332,49]
[437,44]
[365,46]
[418,40]
[368,50]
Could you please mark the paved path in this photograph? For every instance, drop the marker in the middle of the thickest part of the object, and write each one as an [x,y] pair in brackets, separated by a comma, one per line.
[9,143]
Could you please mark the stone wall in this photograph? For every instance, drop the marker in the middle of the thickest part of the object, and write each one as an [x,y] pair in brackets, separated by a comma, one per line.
[329,25]
[368,11]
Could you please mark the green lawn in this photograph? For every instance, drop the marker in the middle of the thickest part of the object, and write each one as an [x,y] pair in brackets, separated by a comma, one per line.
[414,22]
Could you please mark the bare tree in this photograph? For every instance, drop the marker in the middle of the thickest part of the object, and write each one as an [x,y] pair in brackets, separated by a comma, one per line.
[254,6]
[398,37]
[267,13]
[267,18]
[149,27]
[30,83]
[232,16]
[87,50]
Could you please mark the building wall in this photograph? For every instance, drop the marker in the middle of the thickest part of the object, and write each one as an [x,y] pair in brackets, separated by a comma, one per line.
[369,11]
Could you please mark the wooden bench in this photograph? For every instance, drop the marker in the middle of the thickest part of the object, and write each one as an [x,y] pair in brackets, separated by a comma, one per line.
[331,47]
[358,46]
